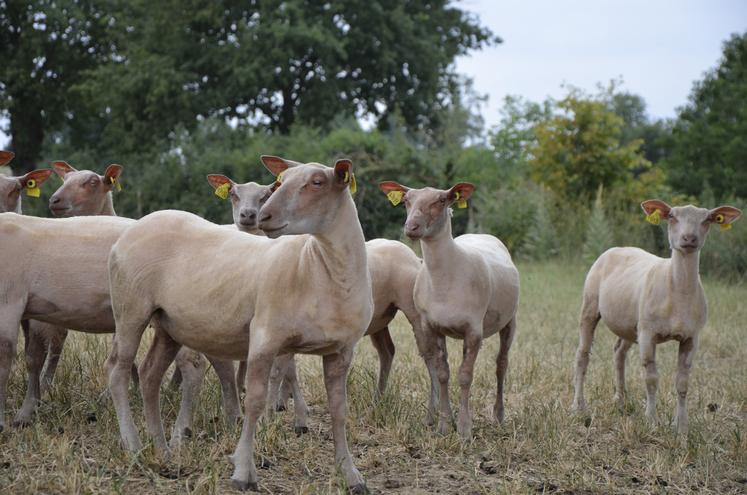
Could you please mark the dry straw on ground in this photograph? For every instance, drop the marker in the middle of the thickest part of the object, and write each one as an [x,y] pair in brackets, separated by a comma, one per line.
[541,448]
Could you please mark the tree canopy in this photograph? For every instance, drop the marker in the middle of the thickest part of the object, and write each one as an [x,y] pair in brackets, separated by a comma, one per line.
[709,139]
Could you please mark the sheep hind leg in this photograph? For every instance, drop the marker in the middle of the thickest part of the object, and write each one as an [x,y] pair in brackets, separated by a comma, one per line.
[621,352]
[589,319]
[121,359]
[160,355]
[55,343]
[192,367]
[501,367]
[382,342]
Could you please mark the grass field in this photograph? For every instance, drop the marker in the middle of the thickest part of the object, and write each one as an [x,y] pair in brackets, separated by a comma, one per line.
[541,448]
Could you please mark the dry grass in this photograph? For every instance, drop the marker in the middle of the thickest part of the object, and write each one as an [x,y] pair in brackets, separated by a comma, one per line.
[542,447]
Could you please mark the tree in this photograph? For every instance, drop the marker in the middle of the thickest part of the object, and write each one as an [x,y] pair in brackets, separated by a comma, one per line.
[44,47]
[710,135]
[579,149]
[276,64]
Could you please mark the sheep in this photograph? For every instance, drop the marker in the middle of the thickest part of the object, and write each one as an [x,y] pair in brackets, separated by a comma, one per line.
[467,288]
[306,293]
[83,192]
[246,200]
[12,187]
[650,300]
[393,267]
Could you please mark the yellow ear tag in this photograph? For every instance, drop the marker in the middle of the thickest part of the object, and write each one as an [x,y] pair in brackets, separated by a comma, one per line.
[351,179]
[32,189]
[279,178]
[395,197]
[115,183]
[654,217]
[222,190]
[721,220]
[460,201]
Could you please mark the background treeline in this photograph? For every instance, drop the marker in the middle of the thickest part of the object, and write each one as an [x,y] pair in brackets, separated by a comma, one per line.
[174,90]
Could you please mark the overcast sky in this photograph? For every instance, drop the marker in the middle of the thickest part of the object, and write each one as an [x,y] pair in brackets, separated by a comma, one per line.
[657,47]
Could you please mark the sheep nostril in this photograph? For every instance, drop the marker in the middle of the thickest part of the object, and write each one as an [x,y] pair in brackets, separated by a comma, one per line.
[252,216]
[265,217]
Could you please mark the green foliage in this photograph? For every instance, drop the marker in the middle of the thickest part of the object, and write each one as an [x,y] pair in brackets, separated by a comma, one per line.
[598,233]
[710,135]
[542,238]
[579,149]
[45,47]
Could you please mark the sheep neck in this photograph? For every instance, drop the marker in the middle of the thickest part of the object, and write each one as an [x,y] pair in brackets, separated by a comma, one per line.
[106,207]
[684,271]
[439,251]
[340,249]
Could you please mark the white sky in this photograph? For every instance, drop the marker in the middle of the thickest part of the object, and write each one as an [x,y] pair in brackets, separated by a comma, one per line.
[658,47]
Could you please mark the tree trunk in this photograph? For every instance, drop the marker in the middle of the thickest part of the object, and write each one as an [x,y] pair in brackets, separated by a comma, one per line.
[27,136]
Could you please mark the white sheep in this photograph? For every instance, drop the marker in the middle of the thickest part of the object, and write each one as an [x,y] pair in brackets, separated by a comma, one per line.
[647,299]
[393,267]
[467,288]
[222,292]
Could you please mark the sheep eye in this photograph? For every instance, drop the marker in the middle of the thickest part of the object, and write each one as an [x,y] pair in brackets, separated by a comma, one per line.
[317,182]
[442,200]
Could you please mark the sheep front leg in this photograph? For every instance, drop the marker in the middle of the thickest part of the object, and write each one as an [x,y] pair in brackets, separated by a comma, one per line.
[35,347]
[336,368]
[10,320]
[161,354]
[648,360]
[259,364]
[441,360]
[472,344]
[428,351]
[621,352]
[684,363]
[382,342]
[501,367]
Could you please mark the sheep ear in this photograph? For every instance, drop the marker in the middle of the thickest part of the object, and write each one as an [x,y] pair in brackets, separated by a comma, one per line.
[650,206]
[724,216]
[6,157]
[460,193]
[62,168]
[221,184]
[276,165]
[39,176]
[394,191]
[111,176]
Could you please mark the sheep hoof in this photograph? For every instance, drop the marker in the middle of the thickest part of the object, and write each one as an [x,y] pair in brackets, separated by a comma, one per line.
[2,427]
[359,489]
[280,407]
[245,485]
[187,433]
[301,430]
[91,417]
[21,423]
